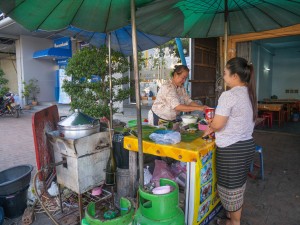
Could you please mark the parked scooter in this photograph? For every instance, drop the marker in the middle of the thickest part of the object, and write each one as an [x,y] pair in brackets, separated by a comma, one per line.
[8,106]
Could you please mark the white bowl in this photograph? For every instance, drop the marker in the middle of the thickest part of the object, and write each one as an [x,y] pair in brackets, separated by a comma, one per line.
[161,190]
[188,119]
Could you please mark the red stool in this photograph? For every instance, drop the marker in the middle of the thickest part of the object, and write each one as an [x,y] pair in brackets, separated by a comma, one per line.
[268,116]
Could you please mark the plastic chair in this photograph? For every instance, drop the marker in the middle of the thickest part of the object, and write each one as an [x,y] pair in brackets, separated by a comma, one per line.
[268,117]
[259,149]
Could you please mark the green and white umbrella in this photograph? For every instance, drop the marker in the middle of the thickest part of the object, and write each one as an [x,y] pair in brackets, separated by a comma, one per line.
[101,16]
[216,18]
[206,18]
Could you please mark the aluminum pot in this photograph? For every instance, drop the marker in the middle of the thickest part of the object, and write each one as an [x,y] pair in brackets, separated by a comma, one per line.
[78,125]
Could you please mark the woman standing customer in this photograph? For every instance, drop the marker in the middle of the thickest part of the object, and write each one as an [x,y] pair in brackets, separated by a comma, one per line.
[172,98]
[233,125]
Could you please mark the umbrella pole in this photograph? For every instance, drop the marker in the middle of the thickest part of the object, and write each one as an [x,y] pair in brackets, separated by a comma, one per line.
[225,36]
[110,84]
[137,94]
[183,61]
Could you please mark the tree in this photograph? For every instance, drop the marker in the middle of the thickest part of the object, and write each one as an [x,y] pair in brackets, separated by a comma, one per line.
[3,82]
[92,95]
[174,48]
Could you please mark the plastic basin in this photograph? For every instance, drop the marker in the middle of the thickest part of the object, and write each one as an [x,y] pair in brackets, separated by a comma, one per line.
[14,179]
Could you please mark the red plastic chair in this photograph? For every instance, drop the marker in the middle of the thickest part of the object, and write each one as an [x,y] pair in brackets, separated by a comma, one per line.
[268,116]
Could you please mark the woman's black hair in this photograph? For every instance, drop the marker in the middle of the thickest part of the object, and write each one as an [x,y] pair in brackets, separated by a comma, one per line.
[179,69]
[244,70]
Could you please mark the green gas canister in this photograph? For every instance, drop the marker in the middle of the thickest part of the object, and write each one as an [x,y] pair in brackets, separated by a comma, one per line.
[159,208]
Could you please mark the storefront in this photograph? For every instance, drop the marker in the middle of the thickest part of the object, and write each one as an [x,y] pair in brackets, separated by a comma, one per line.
[61,52]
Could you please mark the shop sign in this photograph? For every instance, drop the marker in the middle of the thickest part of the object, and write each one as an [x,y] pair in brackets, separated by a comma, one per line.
[64,42]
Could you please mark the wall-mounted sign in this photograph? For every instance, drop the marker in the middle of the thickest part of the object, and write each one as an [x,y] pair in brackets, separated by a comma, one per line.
[64,42]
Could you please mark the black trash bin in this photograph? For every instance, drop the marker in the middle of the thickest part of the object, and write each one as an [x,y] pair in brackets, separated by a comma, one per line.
[121,155]
[14,183]
[1,215]
[14,204]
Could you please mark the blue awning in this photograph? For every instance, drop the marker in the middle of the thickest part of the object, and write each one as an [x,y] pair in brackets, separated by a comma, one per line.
[52,53]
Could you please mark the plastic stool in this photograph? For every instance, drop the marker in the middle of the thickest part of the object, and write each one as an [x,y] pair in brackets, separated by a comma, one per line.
[269,118]
[259,150]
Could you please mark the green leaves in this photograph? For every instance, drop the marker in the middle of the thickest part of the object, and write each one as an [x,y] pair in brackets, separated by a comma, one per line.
[3,82]
[31,90]
[91,96]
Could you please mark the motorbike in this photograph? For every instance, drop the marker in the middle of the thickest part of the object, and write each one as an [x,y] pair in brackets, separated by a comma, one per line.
[8,106]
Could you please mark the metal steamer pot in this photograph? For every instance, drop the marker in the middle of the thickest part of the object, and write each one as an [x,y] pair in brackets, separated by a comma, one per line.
[78,125]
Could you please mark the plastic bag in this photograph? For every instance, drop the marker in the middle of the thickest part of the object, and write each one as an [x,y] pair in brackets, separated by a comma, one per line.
[178,167]
[161,170]
[53,190]
[147,176]
[165,137]
[179,171]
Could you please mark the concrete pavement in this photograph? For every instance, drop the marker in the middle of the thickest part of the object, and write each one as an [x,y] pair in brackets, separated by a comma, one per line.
[274,201]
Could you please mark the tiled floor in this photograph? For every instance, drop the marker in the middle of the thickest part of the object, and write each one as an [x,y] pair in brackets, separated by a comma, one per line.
[274,201]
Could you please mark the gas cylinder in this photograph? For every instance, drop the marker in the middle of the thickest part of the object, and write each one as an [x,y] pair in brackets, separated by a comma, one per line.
[159,209]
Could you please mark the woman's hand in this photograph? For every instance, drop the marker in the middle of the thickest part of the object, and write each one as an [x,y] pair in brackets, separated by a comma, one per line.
[203,107]
[208,131]
[218,122]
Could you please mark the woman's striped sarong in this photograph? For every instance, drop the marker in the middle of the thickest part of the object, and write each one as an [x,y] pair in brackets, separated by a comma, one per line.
[233,163]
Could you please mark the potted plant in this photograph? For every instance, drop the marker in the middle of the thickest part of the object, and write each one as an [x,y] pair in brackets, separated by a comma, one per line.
[3,82]
[35,90]
[30,91]
[92,96]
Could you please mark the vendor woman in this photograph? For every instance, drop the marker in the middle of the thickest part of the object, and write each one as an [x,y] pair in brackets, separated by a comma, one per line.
[172,98]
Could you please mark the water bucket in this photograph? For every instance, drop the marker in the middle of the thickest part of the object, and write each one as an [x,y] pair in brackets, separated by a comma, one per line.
[1,215]
[14,179]
[14,183]
[14,204]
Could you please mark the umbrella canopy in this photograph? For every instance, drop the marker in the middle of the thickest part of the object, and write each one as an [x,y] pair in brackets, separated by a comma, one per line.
[121,39]
[206,18]
[91,15]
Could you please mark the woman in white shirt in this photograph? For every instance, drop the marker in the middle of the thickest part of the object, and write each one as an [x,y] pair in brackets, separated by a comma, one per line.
[172,98]
[233,125]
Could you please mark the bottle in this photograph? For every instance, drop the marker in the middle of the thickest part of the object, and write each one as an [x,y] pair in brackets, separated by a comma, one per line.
[111,169]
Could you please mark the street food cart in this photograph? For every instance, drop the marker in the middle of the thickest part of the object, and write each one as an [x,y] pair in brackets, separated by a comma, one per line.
[202,202]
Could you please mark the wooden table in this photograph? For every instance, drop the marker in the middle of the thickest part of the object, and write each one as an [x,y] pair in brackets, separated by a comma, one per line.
[288,103]
[277,108]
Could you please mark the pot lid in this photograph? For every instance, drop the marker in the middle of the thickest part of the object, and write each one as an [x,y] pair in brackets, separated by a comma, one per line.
[79,119]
